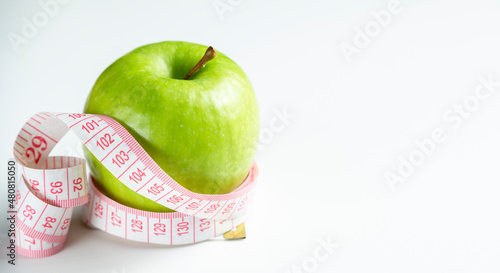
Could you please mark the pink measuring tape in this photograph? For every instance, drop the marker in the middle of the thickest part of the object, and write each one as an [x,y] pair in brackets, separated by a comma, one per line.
[51,186]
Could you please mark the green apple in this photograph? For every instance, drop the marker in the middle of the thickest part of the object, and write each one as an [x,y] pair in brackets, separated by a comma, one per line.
[201,130]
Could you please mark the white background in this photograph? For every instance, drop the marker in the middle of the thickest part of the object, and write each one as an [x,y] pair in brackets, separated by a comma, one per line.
[322,173]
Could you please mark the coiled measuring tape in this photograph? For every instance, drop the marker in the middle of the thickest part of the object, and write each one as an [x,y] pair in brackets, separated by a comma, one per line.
[51,186]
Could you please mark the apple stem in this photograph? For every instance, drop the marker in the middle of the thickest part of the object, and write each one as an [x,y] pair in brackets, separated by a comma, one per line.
[209,55]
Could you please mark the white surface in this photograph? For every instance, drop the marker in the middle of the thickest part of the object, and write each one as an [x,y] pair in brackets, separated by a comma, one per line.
[352,123]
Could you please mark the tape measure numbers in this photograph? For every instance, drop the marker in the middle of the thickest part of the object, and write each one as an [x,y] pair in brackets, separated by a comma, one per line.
[51,186]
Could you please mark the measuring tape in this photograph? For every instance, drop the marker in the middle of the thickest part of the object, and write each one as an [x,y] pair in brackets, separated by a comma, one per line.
[51,186]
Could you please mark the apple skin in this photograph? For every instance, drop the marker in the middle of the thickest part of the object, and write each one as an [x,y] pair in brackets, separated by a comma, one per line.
[203,132]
